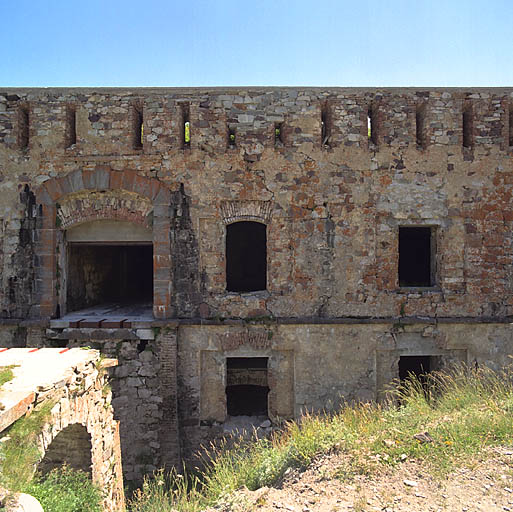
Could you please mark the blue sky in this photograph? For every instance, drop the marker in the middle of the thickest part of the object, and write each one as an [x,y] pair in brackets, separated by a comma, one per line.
[260,42]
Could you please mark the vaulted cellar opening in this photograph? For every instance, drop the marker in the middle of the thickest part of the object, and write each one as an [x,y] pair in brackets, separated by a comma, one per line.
[246,386]
[418,366]
[246,257]
[72,446]
[105,273]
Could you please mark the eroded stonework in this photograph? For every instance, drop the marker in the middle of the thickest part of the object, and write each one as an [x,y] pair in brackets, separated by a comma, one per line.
[333,174]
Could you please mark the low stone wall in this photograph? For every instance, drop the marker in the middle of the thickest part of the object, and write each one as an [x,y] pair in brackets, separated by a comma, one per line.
[77,383]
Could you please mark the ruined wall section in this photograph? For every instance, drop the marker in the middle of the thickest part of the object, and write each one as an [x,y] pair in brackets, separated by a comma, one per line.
[338,196]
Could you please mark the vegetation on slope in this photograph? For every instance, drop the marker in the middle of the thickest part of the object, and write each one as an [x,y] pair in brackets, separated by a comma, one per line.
[440,422]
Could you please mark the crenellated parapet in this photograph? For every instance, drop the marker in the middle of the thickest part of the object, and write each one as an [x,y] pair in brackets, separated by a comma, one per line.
[151,121]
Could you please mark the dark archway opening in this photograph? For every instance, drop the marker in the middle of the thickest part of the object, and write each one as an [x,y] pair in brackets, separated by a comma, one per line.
[71,446]
[246,257]
[246,386]
[416,256]
[105,273]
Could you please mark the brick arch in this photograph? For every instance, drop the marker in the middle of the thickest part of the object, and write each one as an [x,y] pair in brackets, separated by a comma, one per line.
[92,205]
[242,210]
[102,179]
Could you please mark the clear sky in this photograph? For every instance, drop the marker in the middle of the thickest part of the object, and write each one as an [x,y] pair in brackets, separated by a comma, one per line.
[258,42]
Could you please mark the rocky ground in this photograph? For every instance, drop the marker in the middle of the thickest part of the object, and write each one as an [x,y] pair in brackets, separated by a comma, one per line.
[484,484]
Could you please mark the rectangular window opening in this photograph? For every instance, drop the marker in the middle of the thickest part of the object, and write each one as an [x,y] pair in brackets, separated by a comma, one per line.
[416,257]
[420,125]
[278,134]
[138,127]
[468,128]
[246,257]
[103,273]
[247,386]
[232,140]
[23,127]
[71,126]
[417,367]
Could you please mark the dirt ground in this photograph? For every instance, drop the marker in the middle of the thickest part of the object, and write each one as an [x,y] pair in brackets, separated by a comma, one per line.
[483,485]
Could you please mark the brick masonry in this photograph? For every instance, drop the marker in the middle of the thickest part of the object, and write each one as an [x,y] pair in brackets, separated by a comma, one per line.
[333,320]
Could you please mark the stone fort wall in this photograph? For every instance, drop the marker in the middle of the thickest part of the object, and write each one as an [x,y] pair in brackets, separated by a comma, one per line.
[333,320]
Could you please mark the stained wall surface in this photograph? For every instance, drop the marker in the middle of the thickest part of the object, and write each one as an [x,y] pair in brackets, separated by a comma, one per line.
[333,174]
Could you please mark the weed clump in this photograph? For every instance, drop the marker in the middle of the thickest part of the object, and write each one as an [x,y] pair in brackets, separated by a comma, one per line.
[66,490]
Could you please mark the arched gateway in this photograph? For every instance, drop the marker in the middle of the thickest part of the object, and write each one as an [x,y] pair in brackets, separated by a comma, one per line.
[103,199]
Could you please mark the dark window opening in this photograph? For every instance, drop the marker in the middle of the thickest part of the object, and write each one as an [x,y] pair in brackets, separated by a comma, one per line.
[372,128]
[138,127]
[23,127]
[278,134]
[420,128]
[246,386]
[186,127]
[231,137]
[325,127]
[416,256]
[414,365]
[246,257]
[468,129]
[71,126]
[101,274]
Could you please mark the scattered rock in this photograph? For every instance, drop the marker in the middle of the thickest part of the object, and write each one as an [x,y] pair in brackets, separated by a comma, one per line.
[266,424]
[22,502]
[423,437]
[410,483]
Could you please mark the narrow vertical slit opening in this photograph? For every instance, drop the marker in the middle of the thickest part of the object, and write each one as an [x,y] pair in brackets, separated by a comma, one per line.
[138,127]
[278,134]
[420,126]
[186,127]
[372,128]
[325,126]
[23,127]
[71,126]
[467,120]
[510,126]
[232,140]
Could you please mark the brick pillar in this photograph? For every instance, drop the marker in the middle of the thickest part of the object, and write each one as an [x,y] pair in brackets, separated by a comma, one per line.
[162,255]
[169,428]
[46,262]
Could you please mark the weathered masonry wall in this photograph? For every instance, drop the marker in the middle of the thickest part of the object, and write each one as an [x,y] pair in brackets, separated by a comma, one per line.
[334,175]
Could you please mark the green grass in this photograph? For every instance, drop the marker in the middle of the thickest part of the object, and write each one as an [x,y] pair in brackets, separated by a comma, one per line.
[6,374]
[20,453]
[465,412]
[66,490]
